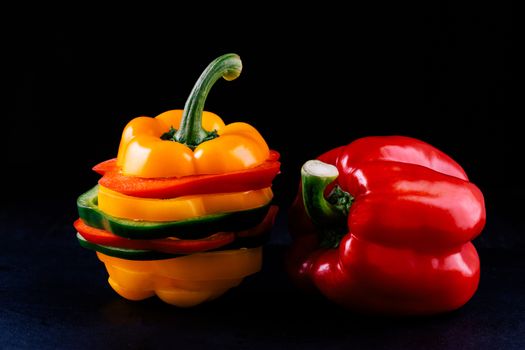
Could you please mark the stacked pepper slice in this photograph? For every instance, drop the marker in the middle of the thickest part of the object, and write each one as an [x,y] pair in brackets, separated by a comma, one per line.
[184,208]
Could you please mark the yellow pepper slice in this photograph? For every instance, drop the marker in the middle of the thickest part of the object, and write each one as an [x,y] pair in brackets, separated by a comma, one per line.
[180,208]
[185,281]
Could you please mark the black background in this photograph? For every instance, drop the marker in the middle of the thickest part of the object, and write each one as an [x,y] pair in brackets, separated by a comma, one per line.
[313,79]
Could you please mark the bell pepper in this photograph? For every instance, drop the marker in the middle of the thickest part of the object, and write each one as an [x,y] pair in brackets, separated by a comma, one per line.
[255,178]
[166,245]
[203,143]
[175,246]
[180,208]
[184,281]
[193,228]
[384,225]
[158,216]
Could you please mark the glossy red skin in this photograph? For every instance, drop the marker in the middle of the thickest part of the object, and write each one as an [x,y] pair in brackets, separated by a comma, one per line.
[246,180]
[408,250]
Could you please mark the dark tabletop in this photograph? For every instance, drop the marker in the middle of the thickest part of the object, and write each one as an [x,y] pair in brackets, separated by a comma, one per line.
[54,294]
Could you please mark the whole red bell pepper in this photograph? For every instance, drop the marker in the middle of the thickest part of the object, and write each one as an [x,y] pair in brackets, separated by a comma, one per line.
[384,225]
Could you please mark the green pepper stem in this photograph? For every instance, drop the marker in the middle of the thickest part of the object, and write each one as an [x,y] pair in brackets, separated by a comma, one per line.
[328,214]
[191,132]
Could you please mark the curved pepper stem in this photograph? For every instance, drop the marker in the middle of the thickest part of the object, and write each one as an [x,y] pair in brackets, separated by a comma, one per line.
[330,213]
[191,132]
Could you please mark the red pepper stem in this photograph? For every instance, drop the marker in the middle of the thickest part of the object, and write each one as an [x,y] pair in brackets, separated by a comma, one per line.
[328,214]
[191,132]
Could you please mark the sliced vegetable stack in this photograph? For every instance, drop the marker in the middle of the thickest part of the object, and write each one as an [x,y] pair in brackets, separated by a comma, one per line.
[184,209]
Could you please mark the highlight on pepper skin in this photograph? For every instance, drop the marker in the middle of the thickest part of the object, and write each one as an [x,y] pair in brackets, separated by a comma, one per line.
[184,209]
[384,225]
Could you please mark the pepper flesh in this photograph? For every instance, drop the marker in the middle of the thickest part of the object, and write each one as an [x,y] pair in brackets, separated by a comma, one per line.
[406,248]
[185,281]
[174,245]
[255,178]
[181,208]
[194,228]
[166,245]
[143,153]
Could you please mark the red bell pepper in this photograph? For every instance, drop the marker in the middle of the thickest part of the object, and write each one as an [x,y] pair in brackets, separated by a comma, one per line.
[384,225]
[238,181]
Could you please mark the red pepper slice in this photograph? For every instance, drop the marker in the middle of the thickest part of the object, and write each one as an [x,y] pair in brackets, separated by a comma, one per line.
[166,245]
[174,246]
[238,181]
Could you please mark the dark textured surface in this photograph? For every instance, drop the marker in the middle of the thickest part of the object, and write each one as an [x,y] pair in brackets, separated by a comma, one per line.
[54,294]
